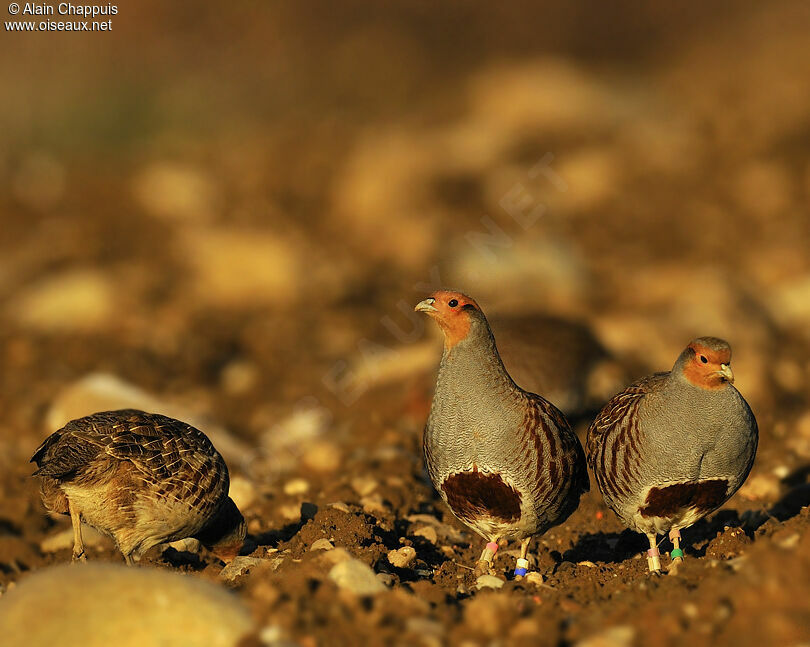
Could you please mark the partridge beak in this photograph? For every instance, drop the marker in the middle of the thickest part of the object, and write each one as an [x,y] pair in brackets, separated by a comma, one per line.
[426,305]
[726,372]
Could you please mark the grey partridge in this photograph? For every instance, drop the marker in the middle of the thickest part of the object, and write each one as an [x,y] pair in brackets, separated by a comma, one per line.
[675,446]
[141,478]
[504,460]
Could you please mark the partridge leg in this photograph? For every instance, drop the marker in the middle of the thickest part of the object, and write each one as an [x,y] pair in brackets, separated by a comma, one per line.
[78,544]
[522,565]
[129,560]
[677,553]
[484,565]
[675,537]
[653,556]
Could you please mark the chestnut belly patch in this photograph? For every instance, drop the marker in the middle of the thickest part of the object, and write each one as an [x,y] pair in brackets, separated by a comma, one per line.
[475,495]
[668,500]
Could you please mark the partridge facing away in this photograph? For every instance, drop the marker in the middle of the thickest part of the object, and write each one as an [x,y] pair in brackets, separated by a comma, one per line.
[675,446]
[504,460]
[141,478]
[559,358]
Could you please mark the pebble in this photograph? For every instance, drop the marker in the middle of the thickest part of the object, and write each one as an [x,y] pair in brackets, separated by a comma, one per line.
[427,533]
[488,582]
[322,456]
[175,192]
[130,607]
[295,487]
[242,492]
[402,557]
[234,266]
[373,504]
[89,296]
[243,564]
[619,636]
[322,544]
[357,577]
[534,578]
[63,539]
[105,392]
[364,485]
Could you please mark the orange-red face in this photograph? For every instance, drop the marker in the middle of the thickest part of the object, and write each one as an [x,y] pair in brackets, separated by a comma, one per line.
[451,310]
[708,365]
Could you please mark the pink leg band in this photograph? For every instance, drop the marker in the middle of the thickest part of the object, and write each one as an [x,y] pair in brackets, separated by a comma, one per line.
[653,552]
[674,534]
[493,547]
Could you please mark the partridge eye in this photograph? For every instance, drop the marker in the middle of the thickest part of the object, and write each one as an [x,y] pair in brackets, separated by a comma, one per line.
[452,303]
[703,359]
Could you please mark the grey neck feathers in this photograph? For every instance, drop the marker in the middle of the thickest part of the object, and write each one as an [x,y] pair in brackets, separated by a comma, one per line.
[473,364]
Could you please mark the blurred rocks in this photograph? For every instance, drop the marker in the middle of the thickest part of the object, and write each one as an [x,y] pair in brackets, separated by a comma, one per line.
[80,300]
[97,605]
[242,565]
[243,492]
[103,392]
[355,576]
[231,267]
[620,636]
[63,540]
[175,191]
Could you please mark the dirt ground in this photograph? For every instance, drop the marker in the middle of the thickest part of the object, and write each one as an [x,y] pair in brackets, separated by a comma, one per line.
[236,231]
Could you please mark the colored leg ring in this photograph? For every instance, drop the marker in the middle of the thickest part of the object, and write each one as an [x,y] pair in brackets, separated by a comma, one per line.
[522,567]
[653,552]
[493,547]
[676,552]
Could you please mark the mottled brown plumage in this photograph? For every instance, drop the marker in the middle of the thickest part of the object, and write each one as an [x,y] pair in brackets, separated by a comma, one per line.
[505,460]
[674,446]
[141,478]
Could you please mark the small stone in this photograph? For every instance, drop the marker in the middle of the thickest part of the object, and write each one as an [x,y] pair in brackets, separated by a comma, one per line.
[761,487]
[239,377]
[290,512]
[242,492]
[78,300]
[488,582]
[339,505]
[620,636]
[587,564]
[322,544]
[402,557]
[296,487]
[322,456]
[335,556]
[428,533]
[187,545]
[63,539]
[357,577]
[364,485]
[534,578]
[138,606]
[373,504]
[242,565]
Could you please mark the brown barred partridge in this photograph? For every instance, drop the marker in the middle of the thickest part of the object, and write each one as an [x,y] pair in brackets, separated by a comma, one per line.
[504,460]
[675,446]
[141,478]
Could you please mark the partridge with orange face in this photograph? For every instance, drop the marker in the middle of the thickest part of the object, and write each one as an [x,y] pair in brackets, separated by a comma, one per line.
[504,460]
[674,446]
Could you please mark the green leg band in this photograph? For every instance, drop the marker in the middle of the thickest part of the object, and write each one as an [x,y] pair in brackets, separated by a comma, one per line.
[676,552]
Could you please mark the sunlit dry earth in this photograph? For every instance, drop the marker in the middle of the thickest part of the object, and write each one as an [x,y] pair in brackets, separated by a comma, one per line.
[237,237]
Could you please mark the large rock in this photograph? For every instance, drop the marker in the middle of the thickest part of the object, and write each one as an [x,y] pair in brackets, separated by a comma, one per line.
[97,605]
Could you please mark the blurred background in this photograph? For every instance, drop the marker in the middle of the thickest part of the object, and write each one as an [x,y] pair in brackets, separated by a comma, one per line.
[234,209]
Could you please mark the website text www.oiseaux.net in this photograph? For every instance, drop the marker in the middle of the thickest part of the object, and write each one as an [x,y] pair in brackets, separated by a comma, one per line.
[66,17]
